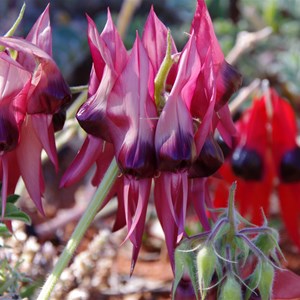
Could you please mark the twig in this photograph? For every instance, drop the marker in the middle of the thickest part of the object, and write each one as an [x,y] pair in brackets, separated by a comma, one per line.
[246,41]
[243,95]
[125,15]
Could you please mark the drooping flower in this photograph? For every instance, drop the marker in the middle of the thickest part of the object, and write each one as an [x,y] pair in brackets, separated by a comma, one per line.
[155,118]
[34,90]
[265,162]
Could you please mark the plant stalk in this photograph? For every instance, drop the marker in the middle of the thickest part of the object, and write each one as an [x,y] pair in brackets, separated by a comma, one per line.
[87,218]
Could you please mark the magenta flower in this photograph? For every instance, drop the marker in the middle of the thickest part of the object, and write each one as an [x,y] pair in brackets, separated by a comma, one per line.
[165,140]
[32,91]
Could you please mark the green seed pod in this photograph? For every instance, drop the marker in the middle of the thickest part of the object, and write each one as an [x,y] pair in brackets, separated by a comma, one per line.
[206,265]
[266,281]
[231,289]
[266,242]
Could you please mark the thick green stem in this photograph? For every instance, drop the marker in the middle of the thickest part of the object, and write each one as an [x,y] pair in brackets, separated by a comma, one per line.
[82,226]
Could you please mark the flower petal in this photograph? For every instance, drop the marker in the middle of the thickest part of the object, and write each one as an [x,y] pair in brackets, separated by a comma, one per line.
[87,155]
[132,113]
[109,57]
[41,33]
[155,40]
[49,91]
[14,87]
[43,127]
[174,136]
[136,195]
[29,159]
[227,78]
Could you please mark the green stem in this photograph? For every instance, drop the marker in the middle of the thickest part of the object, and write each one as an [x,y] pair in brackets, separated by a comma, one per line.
[162,74]
[231,214]
[78,89]
[82,226]
[13,29]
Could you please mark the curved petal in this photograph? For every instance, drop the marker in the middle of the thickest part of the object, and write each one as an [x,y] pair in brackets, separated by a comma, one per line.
[155,40]
[109,57]
[14,87]
[132,113]
[43,127]
[197,196]
[174,136]
[136,195]
[41,33]
[49,91]
[29,159]
[227,78]
[87,155]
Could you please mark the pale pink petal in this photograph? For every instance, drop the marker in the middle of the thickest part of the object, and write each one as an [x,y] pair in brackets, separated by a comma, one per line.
[41,33]
[132,113]
[155,40]
[115,44]
[174,132]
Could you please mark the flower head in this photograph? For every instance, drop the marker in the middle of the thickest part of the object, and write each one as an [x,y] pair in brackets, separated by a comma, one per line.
[264,161]
[32,91]
[155,110]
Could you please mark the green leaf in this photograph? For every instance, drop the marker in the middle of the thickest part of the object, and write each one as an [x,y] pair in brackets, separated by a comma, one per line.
[12,198]
[4,232]
[12,212]
[179,270]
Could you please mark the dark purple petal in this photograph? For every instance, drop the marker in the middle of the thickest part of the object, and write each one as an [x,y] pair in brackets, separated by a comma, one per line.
[290,166]
[228,81]
[209,161]
[49,92]
[59,119]
[247,164]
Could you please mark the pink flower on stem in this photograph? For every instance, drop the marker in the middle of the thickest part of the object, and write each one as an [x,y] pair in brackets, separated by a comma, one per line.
[33,90]
[157,116]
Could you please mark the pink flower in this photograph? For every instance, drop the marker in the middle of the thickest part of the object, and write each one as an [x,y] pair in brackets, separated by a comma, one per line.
[34,90]
[169,143]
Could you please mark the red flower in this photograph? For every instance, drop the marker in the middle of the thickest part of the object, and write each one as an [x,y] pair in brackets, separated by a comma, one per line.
[266,161]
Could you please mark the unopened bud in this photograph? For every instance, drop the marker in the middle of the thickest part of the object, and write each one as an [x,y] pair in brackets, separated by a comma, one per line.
[206,265]
[231,289]
[266,280]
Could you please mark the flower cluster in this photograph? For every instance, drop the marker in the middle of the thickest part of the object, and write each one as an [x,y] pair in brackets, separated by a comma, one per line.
[265,162]
[33,96]
[155,110]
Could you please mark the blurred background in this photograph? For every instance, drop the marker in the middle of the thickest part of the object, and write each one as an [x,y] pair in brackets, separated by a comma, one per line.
[101,267]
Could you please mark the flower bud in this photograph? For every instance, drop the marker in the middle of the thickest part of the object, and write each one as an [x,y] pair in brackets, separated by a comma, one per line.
[266,280]
[206,265]
[231,289]
[265,242]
